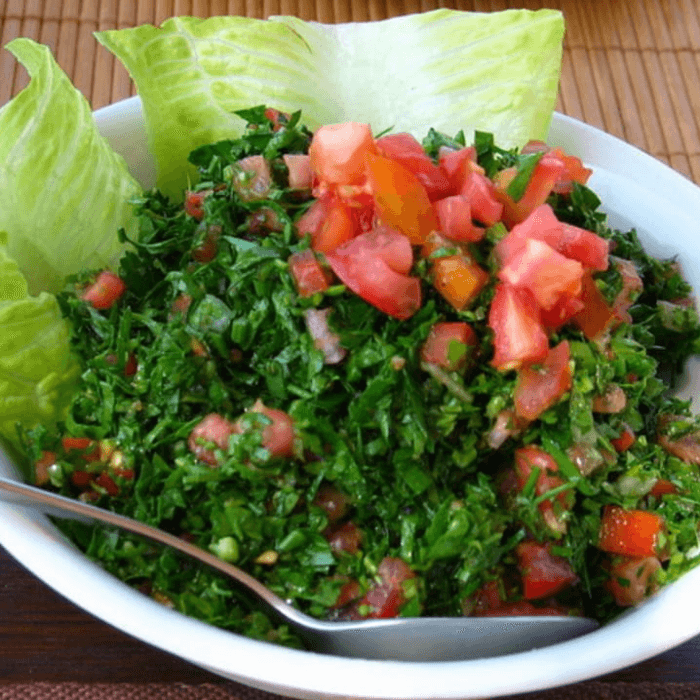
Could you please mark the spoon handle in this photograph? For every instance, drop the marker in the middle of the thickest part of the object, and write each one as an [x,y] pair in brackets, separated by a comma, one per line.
[23,494]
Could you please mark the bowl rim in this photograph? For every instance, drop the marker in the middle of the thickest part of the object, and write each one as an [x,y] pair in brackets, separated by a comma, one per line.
[31,539]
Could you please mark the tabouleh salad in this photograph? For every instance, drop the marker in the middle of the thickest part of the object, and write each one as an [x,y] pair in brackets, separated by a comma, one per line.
[387,378]
[386,375]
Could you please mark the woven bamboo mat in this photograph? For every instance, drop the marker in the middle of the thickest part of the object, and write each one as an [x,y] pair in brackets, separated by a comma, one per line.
[631,67]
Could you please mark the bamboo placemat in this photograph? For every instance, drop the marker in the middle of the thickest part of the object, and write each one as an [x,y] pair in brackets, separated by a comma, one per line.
[631,67]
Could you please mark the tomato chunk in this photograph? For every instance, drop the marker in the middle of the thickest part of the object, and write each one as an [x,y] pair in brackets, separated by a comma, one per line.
[213,431]
[194,203]
[545,175]
[625,440]
[597,316]
[455,218]
[456,164]
[540,386]
[519,337]
[548,275]
[632,579]
[105,291]
[337,153]
[407,150]
[400,199]
[634,533]
[299,168]
[385,598]
[309,276]
[447,345]
[278,435]
[532,458]
[481,194]
[330,223]
[252,178]
[458,279]
[373,265]
[544,574]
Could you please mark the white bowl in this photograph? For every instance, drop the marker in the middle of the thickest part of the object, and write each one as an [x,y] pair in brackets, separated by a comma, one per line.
[638,191]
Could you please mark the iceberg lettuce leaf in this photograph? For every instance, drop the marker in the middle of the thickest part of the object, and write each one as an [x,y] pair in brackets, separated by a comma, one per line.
[63,191]
[445,69]
[37,369]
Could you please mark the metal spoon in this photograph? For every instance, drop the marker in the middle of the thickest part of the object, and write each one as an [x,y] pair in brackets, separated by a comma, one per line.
[404,639]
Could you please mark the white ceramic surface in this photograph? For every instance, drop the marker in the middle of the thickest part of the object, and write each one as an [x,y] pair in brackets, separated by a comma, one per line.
[637,191]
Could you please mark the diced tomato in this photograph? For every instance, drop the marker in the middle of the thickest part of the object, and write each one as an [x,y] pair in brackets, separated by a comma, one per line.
[532,458]
[349,592]
[309,276]
[400,199]
[107,483]
[613,400]
[596,317]
[625,440]
[447,345]
[41,467]
[105,291]
[548,275]
[455,218]
[632,579]
[330,223]
[81,478]
[541,225]
[686,447]
[574,171]
[385,598]
[338,151]
[299,168]
[632,286]
[277,436]
[540,386]
[88,449]
[389,245]
[406,149]
[565,308]
[214,430]
[252,178]
[481,194]
[194,203]
[344,538]
[585,246]
[459,280]
[131,366]
[334,502]
[276,118]
[519,337]
[456,164]
[573,242]
[545,175]
[208,246]
[180,306]
[544,574]
[633,533]
[487,602]
[373,265]
[663,487]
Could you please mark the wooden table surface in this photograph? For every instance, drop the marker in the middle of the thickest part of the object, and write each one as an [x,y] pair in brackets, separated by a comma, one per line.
[631,67]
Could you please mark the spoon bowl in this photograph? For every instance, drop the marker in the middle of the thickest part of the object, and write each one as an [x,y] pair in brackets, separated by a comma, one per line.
[402,639]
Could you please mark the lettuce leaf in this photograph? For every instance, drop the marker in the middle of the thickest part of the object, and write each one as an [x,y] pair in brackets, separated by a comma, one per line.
[63,191]
[37,369]
[63,196]
[445,69]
